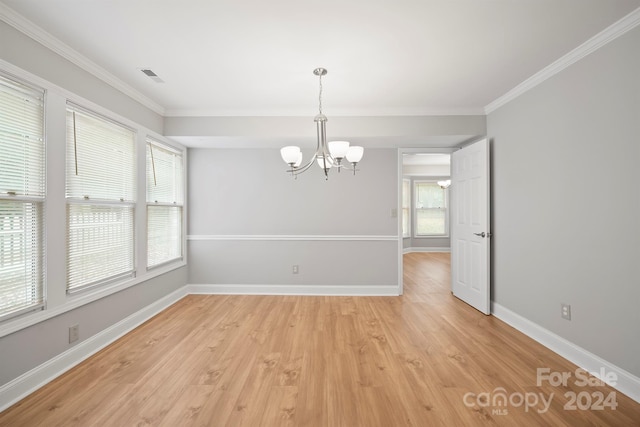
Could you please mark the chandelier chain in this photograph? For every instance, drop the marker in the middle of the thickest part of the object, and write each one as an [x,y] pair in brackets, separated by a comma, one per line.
[320,96]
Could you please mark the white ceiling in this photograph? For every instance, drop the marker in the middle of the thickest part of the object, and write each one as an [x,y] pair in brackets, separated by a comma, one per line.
[256,57]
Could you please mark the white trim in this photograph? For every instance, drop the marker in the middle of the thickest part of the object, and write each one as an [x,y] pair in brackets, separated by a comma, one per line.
[626,383]
[400,231]
[308,290]
[32,380]
[222,112]
[30,29]
[80,299]
[426,249]
[594,43]
[293,237]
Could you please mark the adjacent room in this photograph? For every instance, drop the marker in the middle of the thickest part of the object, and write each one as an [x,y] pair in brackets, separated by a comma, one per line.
[363,213]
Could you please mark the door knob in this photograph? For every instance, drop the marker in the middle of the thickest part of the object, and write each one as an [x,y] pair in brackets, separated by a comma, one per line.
[480,234]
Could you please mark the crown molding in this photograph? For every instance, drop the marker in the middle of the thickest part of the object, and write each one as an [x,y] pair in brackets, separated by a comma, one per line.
[31,30]
[178,112]
[609,34]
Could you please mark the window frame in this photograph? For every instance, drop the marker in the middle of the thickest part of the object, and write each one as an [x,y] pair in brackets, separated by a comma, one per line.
[415,209]
[407,205]
[35,256]
[121,205]
[179,181]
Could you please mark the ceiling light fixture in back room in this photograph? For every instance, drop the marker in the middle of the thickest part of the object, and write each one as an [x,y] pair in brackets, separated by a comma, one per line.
[326,155]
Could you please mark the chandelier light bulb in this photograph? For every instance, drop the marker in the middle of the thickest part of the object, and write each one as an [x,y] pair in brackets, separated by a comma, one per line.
[338,149]
[355,153]
[290,154]
[321,162]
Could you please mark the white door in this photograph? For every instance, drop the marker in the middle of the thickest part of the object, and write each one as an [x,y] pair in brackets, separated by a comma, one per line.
[470,234]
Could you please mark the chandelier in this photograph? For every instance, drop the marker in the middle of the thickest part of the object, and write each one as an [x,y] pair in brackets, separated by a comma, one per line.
[327,156]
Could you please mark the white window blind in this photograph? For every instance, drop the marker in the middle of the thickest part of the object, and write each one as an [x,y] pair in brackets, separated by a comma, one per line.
[100,200]
[431,216]
[100,248]
[22,192]
[100,158]
[165,200]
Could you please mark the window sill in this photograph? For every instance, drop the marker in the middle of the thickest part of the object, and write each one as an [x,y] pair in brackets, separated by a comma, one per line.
[76,301]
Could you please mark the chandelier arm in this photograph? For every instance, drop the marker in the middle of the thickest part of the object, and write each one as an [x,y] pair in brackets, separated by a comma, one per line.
[300,169]
[325,169]
[321,129]
[349,166]
[321,132]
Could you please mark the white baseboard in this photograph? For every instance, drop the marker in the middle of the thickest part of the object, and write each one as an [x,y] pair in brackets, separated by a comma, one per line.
[315,290]
[430,249]
[626,382]
[32,380]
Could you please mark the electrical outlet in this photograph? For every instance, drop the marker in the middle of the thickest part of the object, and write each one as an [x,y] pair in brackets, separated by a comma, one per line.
[394,213]
[74,333]
[295,269]
[566,311]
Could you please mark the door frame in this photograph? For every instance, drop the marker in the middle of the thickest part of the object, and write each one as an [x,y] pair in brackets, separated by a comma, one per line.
[401,153]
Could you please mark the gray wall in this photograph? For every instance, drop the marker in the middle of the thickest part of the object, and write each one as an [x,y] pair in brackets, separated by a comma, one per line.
[29,347]
[247,192]
[566,203]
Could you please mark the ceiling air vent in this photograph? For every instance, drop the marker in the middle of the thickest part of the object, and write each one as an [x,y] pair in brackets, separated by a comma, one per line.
[153,76]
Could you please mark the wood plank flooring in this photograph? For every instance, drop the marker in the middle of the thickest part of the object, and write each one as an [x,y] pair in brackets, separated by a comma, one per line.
[423,359]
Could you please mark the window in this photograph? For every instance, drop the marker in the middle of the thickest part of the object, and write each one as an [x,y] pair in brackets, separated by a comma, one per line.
[22,192]
[165,199]
[406,208]
[431,214]
[100,191]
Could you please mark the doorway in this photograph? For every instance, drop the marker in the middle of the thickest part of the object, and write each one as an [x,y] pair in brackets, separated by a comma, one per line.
[470,232]
[424,220]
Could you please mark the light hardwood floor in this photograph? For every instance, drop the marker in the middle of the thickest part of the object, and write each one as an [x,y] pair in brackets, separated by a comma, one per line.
[321,361]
